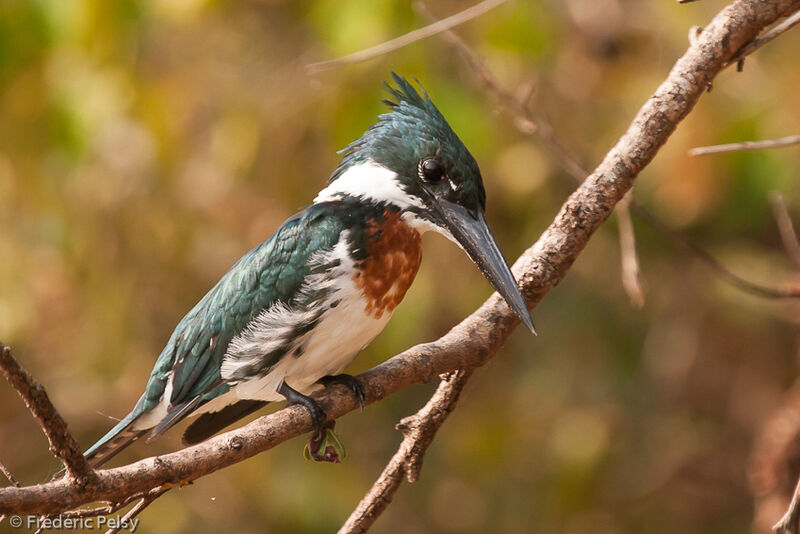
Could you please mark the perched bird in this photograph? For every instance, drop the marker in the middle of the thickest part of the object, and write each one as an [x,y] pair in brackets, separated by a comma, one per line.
[296,309]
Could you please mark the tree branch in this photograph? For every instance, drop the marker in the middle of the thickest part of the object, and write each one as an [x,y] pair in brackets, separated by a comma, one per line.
[408,38]
[62,444]
[419,431]
[785,227]
[631,279]
[713,263]
[475,340]
[790,521]
[9,475]
[746,145]
[792,20]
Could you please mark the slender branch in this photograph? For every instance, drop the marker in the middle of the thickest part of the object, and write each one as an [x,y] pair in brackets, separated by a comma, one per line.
[710,261]
[785,227]
[146,501]
[111,507]
[769,35]
[476,339]
[773,466]
[407,39]
[419,431]
[631,279]
[11,478]
[746,145]
[524,117]
[9,475]
[790,522]
[62,444]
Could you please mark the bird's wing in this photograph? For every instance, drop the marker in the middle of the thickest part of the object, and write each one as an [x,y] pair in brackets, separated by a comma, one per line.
[272,272]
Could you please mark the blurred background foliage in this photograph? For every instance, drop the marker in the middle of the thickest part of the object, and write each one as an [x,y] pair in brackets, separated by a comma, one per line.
[145,146]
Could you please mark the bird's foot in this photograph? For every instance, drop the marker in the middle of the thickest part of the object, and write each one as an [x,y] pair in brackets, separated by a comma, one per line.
[325,446]
[318,415]
[352,383]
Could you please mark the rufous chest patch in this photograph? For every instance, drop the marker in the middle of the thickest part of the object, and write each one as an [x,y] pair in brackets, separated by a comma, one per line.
[394,253]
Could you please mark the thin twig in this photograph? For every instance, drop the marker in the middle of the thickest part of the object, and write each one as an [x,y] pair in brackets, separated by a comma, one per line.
[408,38]
[790,522]
[62,444]
[137,509]
[419,431]
[746,145]
[11,478]
[110,507]
[572,166]
[768,36]
[9,475]
[710,261]
[785,227]
[631,278]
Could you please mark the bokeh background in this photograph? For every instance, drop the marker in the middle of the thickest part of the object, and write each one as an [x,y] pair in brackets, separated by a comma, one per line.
[145,146]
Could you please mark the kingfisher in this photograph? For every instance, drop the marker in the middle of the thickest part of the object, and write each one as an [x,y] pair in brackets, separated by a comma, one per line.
[294,311]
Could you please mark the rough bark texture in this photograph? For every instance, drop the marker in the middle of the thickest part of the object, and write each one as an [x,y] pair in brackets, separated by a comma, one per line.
[479,336]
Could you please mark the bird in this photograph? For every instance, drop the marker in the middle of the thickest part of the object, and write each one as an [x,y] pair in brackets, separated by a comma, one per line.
[294,311]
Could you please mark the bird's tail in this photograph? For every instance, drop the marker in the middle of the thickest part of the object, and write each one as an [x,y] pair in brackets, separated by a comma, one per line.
[116,439]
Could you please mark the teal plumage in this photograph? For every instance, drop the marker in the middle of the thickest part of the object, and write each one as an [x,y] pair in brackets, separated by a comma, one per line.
[272,272]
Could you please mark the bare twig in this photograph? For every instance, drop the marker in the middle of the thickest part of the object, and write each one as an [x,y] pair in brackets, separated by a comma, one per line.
[631,280]
[419,431]
[710,261]
[62,444]
[407,39]
[746,145]
[11,478]
[111,507]
[768,36]
[9,475]
[785,227]
[790,522]
[572,166]
[773,464]
[476,339]
[146,501]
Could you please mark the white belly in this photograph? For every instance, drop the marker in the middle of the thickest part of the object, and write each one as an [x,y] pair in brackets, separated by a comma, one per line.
[343,332]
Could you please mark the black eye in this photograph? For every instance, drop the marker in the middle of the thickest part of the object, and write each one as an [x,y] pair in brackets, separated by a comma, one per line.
[430,170]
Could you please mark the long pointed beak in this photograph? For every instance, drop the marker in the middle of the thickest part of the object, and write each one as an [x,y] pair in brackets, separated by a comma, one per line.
[472,232]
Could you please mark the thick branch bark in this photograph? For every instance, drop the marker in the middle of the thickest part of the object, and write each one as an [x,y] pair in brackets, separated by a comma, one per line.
[480,335]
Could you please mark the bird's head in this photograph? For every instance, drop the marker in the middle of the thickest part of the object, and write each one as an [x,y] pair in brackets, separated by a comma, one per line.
[412,159]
